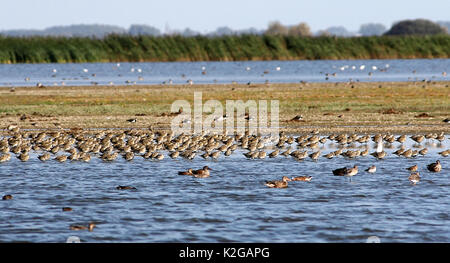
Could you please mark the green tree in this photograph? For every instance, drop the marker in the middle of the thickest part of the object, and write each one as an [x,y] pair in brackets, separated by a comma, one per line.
[416,27]
[301,29]
[138,30]
[276,28]
[372,29]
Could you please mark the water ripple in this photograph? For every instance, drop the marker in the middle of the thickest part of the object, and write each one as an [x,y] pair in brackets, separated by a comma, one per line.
[232,205]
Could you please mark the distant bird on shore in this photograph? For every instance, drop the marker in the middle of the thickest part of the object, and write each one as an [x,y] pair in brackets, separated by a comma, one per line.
[24,157]
[401,138]
[221,118]
[248,117]
[61,158]
[44,157]
[297,118]
[274,153]
[5,157]
[423,151]
[330,155]
[174,155]
[315,155]
[418,138]
[379,155]
[132,120]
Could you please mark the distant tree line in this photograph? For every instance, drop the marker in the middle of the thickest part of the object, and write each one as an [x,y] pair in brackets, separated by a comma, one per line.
[101,31]
[275,28]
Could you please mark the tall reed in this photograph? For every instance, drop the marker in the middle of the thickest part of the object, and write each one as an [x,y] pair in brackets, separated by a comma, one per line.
[224,48]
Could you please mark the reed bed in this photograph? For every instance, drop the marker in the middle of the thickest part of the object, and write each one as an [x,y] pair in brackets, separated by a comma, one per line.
[114,48]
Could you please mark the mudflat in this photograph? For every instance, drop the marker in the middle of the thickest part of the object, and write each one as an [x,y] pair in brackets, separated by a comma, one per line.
[396,107]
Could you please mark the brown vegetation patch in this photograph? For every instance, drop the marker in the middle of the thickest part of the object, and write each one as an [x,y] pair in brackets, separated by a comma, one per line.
[392,111]
[423,115]
[322,105]
[40,114]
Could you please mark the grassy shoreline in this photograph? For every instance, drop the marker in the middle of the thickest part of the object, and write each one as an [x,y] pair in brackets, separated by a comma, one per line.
[123,48]
[363,107]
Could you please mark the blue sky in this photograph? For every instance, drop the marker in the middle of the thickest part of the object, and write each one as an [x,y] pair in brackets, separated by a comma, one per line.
[207,15]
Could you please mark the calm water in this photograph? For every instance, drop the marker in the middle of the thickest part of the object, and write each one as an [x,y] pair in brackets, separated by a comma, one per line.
[233,205]
[223,72]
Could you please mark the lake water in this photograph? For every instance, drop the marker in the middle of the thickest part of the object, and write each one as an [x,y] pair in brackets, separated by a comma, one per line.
[233,205]
[224,72]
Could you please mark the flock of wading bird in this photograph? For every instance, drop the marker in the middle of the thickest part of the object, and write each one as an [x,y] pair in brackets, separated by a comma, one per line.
[80,145]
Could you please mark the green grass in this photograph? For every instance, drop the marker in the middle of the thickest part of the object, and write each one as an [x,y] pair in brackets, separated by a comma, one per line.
[227,48]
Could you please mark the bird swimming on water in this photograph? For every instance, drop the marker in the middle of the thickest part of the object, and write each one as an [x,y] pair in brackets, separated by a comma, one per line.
[283,183]
[89,227]
[188,172]
[372,169]
[302,178]
[414,177]
[412,168]
[202,173]
[346,171]
[349,172]
[7,197]
[125,187]
[435,167]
